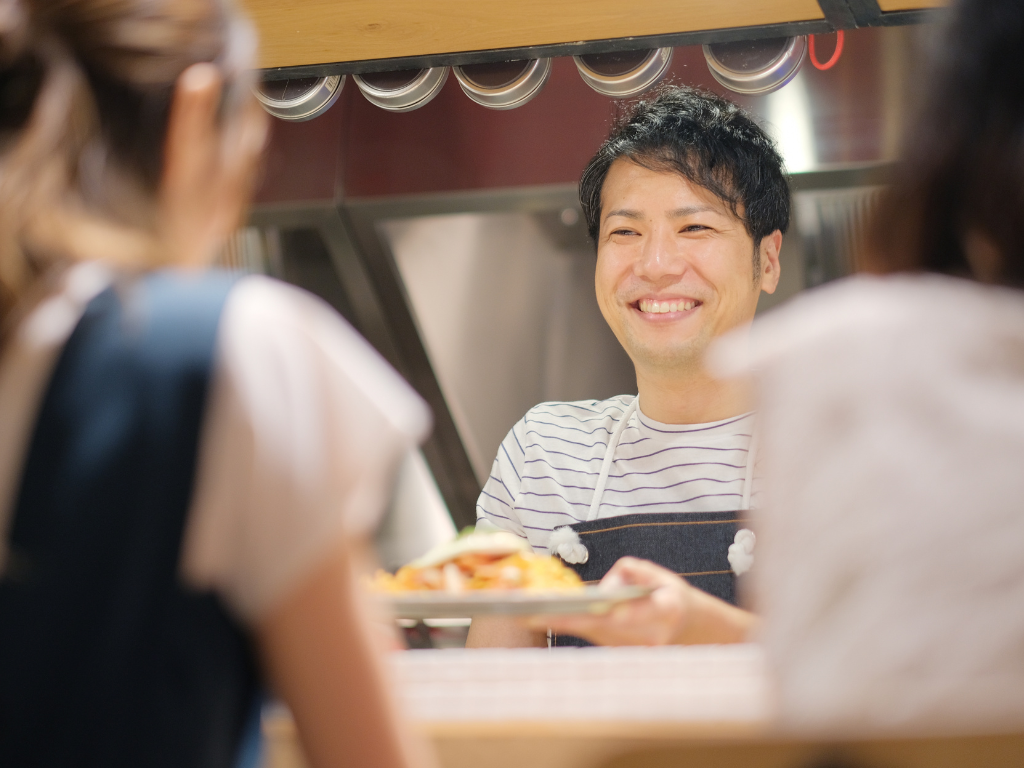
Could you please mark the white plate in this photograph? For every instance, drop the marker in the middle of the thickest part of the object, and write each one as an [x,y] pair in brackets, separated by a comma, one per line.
[441,605]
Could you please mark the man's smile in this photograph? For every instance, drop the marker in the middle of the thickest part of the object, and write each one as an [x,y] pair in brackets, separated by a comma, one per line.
[666,308]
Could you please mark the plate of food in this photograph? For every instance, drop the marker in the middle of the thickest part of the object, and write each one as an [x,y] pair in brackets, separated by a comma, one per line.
[490,573]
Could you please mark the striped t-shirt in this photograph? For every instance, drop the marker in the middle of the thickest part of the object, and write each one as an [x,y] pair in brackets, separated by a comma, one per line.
[547,467]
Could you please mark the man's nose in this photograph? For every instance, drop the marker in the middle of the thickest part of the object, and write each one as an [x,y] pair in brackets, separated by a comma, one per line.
[660,256]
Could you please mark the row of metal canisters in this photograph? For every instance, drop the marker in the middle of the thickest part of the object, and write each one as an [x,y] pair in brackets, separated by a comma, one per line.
[755,66]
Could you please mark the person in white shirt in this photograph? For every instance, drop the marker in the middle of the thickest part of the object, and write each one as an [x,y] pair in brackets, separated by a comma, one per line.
[163,558]
[890,573]
[687,203]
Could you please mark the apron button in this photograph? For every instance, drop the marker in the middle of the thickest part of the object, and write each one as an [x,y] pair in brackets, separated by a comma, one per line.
[565,543]
[741,551]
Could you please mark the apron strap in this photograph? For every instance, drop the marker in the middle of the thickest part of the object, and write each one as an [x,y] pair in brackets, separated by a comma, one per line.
[748,482]
[609,455]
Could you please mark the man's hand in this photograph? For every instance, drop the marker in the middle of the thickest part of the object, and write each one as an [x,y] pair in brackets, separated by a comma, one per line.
[675,613]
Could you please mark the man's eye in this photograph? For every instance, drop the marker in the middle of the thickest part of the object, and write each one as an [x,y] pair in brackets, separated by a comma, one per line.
[623,232]
[694,228]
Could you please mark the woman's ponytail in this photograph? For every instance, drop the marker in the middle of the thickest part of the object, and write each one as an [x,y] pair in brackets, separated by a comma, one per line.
[85,90]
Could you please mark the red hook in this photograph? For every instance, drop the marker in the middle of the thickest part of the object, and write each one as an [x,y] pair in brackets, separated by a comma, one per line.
[835,54]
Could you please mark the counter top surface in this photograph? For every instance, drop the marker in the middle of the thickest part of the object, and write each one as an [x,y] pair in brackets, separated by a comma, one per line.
[566,707]
[660,687]
[703,707]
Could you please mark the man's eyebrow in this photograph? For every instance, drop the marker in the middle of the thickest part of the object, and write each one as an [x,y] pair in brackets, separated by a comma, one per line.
[626,213]
[691,209]
[629,213]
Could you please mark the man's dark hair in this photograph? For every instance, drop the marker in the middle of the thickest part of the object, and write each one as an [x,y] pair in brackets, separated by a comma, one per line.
[961,177]
[707,140]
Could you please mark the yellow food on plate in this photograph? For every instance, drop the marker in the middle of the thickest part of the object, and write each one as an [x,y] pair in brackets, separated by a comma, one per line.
[480,561]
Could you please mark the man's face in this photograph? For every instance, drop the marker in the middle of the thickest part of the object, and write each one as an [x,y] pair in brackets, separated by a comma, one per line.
[675,266]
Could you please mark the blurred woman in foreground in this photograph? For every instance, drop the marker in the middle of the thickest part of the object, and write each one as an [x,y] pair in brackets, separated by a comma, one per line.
[188,461]
[890,556]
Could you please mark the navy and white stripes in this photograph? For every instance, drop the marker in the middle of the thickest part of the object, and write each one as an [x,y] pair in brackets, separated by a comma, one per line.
[547,467]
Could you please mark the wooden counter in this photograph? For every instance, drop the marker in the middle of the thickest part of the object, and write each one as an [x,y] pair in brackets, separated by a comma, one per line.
[698,707]
[566,708]
[672,745]
[531,745]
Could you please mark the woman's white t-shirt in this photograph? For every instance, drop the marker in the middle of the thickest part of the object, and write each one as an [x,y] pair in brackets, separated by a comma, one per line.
[889,565]
[304,430]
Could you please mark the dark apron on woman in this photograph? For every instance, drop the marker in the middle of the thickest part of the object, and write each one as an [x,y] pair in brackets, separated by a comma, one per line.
[106,658]
[694,545]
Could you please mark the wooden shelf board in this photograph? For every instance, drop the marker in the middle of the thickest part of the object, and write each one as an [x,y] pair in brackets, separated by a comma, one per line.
[307,32]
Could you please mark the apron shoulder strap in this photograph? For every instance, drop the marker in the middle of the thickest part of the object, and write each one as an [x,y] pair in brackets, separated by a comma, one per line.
[609,456]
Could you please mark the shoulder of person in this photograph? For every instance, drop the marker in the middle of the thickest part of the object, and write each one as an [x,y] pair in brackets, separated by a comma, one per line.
[271,326]
[578,412]
[305,429]
[562,421]
[873,312]
[576,421]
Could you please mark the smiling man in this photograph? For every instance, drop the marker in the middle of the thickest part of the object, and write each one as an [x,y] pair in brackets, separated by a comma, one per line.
[687,203]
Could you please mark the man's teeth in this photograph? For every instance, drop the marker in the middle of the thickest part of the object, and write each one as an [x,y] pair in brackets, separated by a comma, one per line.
[661,307]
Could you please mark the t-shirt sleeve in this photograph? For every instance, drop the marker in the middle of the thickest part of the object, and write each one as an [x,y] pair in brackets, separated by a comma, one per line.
[497,501]
[305,429]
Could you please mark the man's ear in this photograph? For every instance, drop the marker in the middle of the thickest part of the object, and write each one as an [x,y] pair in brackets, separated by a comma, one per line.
[770,268]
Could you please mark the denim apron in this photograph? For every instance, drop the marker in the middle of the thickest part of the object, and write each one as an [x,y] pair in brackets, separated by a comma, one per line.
[107,659]
[694,545]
